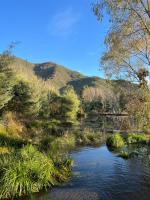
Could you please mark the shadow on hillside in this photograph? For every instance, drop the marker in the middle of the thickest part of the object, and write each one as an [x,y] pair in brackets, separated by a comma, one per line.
[45,70]
[80,83]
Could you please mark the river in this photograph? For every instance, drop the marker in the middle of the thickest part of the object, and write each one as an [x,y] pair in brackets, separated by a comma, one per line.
[99,174]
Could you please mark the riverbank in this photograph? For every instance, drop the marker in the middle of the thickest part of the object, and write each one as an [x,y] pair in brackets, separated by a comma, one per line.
[28,168]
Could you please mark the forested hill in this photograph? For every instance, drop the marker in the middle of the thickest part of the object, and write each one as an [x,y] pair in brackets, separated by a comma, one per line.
[58,77]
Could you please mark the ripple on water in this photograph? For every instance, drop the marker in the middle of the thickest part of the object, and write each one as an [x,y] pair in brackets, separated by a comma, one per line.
[73,194]
[101,175]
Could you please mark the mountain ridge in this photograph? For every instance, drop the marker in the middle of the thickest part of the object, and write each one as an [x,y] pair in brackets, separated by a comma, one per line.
[58,76]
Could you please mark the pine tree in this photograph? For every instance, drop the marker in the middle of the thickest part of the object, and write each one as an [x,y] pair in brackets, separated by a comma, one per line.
[23,100]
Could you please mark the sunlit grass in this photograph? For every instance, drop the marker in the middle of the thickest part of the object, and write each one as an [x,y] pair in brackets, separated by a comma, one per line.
[134,138]
[28,170]
[115,141]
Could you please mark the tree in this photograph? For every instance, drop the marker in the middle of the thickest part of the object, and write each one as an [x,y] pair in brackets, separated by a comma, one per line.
[128,39]
[23,101]
[139,107]
[6,78]
[61,107]
[73,103]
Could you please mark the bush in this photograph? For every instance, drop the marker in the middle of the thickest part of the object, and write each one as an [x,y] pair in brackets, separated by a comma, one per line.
[133,138]
[11,125]
[115,141]
[52,127]
[29,171]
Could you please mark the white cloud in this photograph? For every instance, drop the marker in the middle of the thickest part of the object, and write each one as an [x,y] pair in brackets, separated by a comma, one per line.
[63,23]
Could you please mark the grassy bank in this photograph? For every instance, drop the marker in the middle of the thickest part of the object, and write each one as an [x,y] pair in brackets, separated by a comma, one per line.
[117,140]
[120,143]
[28,170]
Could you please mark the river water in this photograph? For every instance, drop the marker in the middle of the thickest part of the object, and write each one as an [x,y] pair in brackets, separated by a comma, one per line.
[99,174]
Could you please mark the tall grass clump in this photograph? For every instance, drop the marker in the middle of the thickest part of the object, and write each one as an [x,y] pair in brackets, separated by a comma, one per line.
[11,126]
[135,138]
[4,150]
[28,171]
[115,141]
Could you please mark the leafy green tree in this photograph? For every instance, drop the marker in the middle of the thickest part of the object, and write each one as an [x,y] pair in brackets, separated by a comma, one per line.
[23,100]
[73,103]
[6,79]
[61,107]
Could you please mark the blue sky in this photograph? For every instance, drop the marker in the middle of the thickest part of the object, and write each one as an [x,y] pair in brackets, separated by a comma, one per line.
[63,31]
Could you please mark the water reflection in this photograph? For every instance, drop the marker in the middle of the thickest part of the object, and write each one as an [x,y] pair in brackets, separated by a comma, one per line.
[108,123]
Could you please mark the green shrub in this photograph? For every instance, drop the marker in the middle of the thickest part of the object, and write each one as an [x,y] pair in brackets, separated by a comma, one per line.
[25,100]
[11,126]
[52,127]
[134,138]
[115,141]
[28,171]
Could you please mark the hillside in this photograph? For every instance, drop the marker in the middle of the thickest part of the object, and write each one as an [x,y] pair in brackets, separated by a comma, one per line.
[56,76]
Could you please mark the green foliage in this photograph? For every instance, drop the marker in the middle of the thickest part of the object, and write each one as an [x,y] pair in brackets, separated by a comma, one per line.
[72,104]
[11,125]
[4,150]
[115,141]
[29,171]
[59,106]
[63,108]
[23,101]
[134,138]
[53,127]
[6,79]
[94,105]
